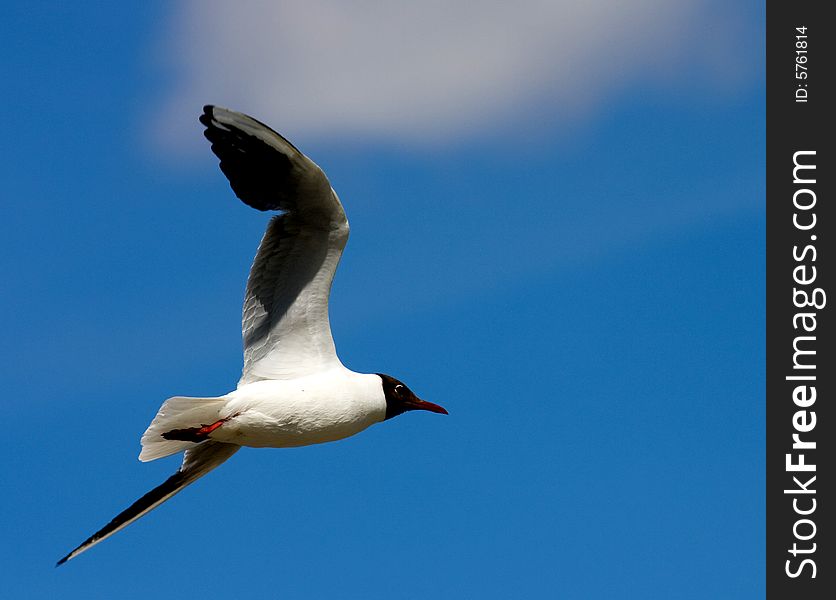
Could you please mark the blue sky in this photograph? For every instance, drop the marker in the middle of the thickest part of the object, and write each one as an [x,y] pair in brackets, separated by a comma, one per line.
[564,248]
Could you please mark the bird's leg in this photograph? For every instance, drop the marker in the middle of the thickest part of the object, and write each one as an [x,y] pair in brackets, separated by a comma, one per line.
[195,434]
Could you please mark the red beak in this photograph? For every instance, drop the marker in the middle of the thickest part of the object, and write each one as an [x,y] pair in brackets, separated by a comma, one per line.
[418,404]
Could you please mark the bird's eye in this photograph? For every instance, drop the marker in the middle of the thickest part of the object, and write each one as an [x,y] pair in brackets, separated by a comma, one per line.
[399,388]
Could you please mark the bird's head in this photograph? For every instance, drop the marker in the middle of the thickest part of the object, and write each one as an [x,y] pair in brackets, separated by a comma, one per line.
[400,399]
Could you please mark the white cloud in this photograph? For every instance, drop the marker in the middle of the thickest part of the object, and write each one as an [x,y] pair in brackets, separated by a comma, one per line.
[423,72]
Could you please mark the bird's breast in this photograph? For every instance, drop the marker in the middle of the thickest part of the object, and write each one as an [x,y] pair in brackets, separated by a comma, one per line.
[282,414]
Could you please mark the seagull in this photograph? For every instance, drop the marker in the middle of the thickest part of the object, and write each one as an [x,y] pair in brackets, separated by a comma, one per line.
[293,391]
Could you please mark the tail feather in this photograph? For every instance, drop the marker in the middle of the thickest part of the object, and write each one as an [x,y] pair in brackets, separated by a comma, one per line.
[197,462]
[177,413]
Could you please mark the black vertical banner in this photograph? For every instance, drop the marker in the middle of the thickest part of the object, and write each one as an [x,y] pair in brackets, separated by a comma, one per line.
[801,372]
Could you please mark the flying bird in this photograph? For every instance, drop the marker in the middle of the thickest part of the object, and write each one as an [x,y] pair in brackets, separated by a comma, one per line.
[293,391]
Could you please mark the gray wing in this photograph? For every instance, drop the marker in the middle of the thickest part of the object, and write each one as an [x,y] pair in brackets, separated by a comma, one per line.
[285,319]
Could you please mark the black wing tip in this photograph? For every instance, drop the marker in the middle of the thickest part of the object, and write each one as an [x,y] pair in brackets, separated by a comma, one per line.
[208,115]
[75,552]
[72,554]
[78,550]
[141,506]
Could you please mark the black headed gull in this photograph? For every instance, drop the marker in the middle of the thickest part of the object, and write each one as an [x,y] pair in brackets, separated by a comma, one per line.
[293,391]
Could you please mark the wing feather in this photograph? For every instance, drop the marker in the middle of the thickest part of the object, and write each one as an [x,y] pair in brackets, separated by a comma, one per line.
[285,316]
[197,462]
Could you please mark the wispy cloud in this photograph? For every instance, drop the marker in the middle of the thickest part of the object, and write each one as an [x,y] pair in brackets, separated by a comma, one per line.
[424,72]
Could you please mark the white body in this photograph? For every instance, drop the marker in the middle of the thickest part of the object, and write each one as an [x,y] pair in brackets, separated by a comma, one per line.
[308,410]
[274,413]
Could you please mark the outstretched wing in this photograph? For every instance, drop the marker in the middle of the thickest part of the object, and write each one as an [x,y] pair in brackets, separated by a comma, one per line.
[197,462]
[285,319]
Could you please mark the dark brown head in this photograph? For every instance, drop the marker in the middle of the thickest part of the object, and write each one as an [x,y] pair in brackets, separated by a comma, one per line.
[400,399]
